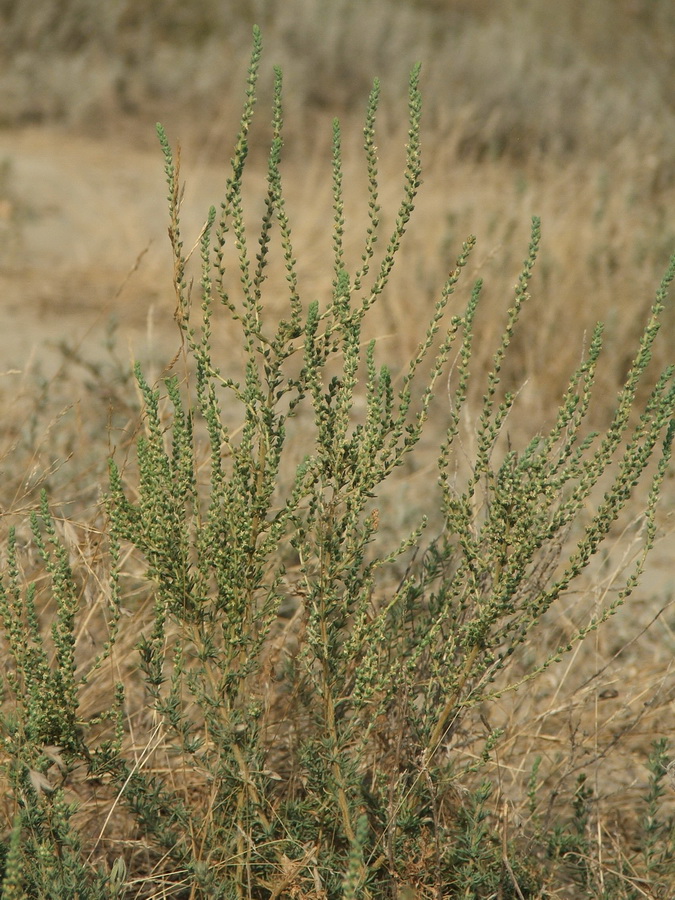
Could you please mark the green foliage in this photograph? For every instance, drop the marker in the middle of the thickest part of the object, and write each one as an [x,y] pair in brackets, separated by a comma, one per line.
[658,831]
[45,859]
[310,697]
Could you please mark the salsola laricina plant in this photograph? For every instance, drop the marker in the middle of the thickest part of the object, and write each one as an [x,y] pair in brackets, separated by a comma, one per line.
[291,716]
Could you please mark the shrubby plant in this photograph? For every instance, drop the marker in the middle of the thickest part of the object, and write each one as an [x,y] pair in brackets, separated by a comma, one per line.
[307,683]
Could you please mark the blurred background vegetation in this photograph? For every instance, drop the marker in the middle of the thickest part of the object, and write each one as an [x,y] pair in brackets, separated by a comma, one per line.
[517,78]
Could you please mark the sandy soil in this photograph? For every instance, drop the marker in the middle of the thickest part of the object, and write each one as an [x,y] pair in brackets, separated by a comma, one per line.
[75,217]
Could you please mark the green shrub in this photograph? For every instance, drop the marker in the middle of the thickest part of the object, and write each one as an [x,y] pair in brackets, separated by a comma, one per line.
[307,679]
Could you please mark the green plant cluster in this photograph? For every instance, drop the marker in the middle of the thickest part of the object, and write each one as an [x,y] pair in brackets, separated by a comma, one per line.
[310,697]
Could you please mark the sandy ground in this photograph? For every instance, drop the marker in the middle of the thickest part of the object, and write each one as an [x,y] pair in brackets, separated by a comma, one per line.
[83,229]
